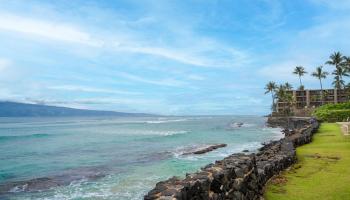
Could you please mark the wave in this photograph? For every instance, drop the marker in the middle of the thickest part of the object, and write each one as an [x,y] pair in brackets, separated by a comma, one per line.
[247,125]
[183,150]
[180,153]
[15,137]
[277,132]
[165,121]
[163,133]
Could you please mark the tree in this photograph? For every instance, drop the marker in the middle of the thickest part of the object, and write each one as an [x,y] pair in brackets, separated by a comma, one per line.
[300,71]
[271,88]
[346,63]
[286,97]
[337,59]
[288,86]
[320,74]
[338,81]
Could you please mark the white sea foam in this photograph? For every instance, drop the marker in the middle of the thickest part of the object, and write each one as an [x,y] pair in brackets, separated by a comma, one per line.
[277,132]
[247,125]
[216,154]
[162,133]
[19,188]
[178,152]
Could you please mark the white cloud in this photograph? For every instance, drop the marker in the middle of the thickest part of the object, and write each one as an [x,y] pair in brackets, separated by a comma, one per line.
[197,51]
[90,89]
[310,48]
[162,82]
[46,29]
[166,53]
[4,63]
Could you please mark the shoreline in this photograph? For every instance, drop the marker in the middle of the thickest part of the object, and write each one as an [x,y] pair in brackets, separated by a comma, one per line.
[239,176]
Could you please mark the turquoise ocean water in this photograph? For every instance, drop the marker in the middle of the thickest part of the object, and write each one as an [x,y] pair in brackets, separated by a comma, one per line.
[113,158]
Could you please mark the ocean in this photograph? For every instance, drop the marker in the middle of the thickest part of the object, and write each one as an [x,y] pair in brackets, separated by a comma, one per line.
[113,157]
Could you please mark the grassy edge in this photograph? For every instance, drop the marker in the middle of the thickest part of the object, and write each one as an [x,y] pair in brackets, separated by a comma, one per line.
[316,175]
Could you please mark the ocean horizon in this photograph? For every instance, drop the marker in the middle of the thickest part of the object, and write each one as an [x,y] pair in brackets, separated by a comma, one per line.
[114,157]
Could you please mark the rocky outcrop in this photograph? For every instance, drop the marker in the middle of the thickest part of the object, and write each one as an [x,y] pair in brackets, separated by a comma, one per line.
[239,176]
[206,149]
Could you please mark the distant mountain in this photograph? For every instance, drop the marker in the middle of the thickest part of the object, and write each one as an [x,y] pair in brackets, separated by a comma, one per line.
[14,109]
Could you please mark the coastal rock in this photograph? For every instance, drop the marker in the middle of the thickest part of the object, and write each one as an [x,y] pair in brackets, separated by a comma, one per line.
[238,176]
[206,149]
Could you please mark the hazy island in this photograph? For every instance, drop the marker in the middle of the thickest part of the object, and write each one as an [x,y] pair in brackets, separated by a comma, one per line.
[15,109]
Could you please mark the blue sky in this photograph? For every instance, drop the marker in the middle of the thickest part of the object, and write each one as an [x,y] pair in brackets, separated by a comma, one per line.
[164,56]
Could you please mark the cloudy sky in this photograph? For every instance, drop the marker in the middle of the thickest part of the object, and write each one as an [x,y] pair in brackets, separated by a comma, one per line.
[164,56]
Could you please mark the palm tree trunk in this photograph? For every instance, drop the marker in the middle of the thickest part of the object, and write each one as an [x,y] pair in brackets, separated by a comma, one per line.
[322,97]
[300,81]
[273,102]
[340,83]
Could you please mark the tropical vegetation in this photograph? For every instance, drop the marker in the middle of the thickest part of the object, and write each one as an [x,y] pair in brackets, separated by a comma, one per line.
[341,70]
[279,92]
[333,112]
[271,88]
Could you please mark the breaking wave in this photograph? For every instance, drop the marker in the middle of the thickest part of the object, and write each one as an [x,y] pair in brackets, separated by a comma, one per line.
[162,133]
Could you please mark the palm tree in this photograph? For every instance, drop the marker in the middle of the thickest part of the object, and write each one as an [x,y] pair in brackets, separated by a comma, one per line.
[346,63]
[286,97]
[338,83]
[337,59]
[300,71]
[271,88]
[288,86]
[338,77]
[320,74]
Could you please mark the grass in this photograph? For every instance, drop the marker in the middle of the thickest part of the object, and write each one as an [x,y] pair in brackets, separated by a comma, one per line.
[322,171]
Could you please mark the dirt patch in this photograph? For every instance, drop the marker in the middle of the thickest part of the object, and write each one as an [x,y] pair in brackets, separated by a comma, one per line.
[323,164]
[319,156]
[333,157]
[279,180]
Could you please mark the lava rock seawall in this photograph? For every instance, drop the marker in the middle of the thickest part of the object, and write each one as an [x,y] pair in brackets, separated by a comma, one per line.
[238,176]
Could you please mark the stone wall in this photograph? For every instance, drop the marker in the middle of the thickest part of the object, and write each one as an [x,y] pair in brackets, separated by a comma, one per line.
[288,122]
[239,176]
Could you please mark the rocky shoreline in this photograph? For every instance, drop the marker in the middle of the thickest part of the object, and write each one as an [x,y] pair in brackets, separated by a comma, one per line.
[240,176]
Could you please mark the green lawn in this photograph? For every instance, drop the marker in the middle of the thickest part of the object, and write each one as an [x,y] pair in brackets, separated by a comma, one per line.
[322,171]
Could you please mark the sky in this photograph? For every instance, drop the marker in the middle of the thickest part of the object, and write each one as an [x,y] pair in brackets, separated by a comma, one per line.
[196,57]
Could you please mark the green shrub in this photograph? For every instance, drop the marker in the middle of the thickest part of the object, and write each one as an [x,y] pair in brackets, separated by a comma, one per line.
[338,106]
[333,115]
[333,112]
